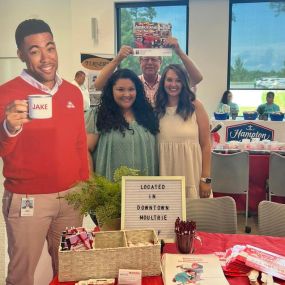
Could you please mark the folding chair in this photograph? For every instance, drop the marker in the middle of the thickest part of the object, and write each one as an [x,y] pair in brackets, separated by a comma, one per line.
[271,218]
[230,173]
[276,181]
[216,215]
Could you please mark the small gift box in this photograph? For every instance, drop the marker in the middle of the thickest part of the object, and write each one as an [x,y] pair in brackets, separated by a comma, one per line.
[221,116]
[251,115]
[277,116]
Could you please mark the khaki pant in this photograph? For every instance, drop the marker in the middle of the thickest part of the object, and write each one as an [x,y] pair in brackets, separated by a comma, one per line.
[26,235]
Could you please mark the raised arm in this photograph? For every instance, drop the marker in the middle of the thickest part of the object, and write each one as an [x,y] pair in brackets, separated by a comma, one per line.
[193,71]
[108,69]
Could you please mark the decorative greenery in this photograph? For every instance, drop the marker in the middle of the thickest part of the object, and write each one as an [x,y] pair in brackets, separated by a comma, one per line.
[101,196]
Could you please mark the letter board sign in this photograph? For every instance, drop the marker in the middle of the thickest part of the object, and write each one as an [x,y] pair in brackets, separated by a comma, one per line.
[153,202]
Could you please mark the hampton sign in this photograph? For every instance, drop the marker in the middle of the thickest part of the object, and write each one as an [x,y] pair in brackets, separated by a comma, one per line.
[248,131]
[153,202]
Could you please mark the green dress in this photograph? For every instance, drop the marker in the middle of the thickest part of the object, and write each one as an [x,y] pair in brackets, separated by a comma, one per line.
[136,149]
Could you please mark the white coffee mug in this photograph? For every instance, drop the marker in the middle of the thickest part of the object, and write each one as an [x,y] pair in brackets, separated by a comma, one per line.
[40,106]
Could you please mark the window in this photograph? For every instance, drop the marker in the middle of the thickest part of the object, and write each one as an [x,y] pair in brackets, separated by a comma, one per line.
[257,51]
[166,12]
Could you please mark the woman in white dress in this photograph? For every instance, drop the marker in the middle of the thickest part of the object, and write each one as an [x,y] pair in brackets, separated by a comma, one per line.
[184,138]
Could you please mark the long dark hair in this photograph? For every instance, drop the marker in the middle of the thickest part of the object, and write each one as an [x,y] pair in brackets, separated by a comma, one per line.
[225,97]
[185,107]
[110,116]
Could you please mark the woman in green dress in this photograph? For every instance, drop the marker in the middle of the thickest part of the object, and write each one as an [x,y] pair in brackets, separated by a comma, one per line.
[124,128]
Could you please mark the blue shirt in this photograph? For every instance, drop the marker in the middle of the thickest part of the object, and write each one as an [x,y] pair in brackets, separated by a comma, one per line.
[267,108]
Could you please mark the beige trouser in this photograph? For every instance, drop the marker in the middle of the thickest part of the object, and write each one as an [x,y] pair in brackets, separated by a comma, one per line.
[26,235]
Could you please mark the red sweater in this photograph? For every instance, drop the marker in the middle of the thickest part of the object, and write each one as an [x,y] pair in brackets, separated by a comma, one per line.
[49,155]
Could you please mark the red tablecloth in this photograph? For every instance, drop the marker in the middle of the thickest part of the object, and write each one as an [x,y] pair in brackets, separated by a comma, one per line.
[258,173]
[219,242]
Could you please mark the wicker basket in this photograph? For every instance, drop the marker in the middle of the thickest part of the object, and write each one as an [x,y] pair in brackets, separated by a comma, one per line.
[111,253]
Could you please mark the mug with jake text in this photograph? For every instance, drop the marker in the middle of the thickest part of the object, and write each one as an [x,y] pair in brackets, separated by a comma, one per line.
[40,106]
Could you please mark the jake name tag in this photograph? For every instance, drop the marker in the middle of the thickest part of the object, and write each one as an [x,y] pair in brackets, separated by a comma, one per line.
[27,207]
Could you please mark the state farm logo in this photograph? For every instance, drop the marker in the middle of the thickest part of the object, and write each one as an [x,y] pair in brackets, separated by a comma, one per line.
[248,131]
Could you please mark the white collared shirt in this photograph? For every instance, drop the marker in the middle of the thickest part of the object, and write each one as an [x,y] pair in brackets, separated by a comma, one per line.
[32,81]
[150,90]
[85,95]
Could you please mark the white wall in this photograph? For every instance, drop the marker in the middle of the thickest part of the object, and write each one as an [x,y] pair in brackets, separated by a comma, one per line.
[208,39]
[56,13]
[208,46]
[70,21]
[82,12]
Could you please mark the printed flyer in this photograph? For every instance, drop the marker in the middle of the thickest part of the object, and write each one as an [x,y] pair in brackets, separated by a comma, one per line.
[265,261]
[199,269]
[149,39]
[241,259]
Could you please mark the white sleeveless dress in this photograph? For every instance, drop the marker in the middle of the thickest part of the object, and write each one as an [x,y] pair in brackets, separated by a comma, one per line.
[179,150]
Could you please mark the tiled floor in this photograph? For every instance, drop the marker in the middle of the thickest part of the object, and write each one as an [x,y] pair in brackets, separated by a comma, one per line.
[252,222]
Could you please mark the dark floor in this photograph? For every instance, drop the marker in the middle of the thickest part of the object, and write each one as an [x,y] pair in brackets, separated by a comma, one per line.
[252,222]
